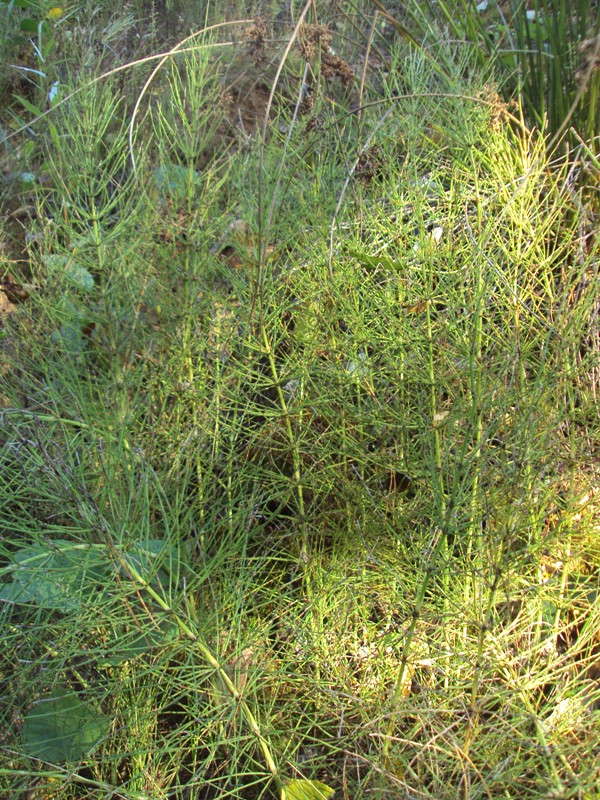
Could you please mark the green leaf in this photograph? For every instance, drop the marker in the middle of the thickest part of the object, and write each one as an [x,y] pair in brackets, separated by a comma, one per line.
[548,613]
[375,261]
[29,25]
[134,644]
[61,727]
[54,136]
[17,592]
[54,261]
[60,577]
[306,790]
[173,179]
[79,277]
[75,318]
[152,559]
[28,106]
[70,271]
[70,337]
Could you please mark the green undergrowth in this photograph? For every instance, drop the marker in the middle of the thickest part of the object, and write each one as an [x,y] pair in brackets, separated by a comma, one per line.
[545,55]
[299,447]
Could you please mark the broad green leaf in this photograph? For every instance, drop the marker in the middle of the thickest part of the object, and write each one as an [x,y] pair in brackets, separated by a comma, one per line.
[134,644]
[306,790]
[79,277]
[29,25]
[54,261]
[58,577]
[583,588]
[70,271]
[173,179]
[548,614]
[17,592]
[61,727]
[152,560]
[70,337]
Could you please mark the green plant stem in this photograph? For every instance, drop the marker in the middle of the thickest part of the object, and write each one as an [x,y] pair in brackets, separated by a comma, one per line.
[567,547]
[435,551]
[187,630]
[294,448]
[438,478]
[474,543]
